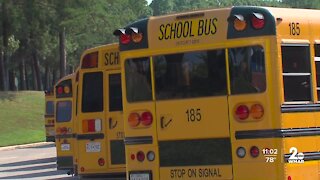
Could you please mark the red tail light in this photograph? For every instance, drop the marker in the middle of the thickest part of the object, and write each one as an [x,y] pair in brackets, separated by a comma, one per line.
[254,151]
[146,118]
[242,112]
[60,90]
[82,169]
[90,60]
[101,162]
[125,38]
[91,125]
[140,156]
[258,21]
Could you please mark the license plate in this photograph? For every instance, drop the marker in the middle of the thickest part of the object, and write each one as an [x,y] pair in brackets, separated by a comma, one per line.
[93,147]
[139,177]
[65,147]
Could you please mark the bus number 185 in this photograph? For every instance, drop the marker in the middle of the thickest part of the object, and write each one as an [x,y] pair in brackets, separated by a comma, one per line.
[193,115]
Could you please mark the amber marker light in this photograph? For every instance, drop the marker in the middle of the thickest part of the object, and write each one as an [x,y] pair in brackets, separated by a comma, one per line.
[239,23]
[256,111]
[136,37]
[134,119]
[66,89]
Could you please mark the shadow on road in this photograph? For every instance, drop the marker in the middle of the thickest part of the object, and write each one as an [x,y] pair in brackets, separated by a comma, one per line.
[33,168]
[35,175]
[21,163]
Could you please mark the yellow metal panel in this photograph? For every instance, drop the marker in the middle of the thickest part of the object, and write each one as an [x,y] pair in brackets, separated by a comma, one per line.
[202,27]
[197,172]
[296,120]
[307,170]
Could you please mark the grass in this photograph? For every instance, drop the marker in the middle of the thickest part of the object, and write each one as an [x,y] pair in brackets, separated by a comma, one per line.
[21,117]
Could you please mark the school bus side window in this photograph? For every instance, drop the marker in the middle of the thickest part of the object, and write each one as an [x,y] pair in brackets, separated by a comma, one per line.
[49,108]
[64,111]
[190,74]
[115,94]
[317,61]
[92,96]
[138,79]
[296,72]
[247,70]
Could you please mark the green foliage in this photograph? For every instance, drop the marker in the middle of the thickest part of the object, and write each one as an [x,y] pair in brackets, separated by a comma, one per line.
[34,25]
[13,44]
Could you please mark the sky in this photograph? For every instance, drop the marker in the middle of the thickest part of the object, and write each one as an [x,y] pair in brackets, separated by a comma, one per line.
[149,1]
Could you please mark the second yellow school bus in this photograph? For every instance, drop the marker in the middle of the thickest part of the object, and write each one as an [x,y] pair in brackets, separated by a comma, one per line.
[227,93]
[66,98]
[100,147]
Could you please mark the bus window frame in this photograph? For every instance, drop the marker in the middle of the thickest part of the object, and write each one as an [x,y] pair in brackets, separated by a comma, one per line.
[316,61]
[300,43]
[83,93]
[57,111]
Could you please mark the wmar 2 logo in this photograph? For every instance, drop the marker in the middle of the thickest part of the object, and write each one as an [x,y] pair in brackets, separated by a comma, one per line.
[295,156]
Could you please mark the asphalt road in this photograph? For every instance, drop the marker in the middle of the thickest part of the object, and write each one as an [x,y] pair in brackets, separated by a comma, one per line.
[30,162]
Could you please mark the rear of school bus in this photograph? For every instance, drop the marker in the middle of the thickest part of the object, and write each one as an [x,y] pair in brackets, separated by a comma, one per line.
[100,124]
[202,94]
[49,115]
[65,133]
[298,49]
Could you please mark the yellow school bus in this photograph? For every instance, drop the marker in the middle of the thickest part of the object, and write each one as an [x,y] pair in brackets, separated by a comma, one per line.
[99,122]
[228,93]
[49,115]
[65,91]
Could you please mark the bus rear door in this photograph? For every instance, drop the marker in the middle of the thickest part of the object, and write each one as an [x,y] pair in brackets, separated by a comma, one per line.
[192,115]
[114,120]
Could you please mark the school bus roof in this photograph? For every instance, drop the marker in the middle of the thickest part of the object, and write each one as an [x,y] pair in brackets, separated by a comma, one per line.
[217,25]
[69,76]
[108,56]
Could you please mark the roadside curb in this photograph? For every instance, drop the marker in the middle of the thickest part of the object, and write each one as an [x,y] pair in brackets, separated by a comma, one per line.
[39,144]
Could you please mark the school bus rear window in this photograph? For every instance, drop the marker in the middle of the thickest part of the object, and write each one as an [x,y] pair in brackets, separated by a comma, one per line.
[49,108]
[190,74]
[92,97]
[64,111]
[115,94]
[247,70]
[138,79]
[296,72]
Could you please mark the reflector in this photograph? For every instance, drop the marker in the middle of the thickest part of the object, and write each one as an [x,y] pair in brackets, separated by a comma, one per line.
[254,151]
